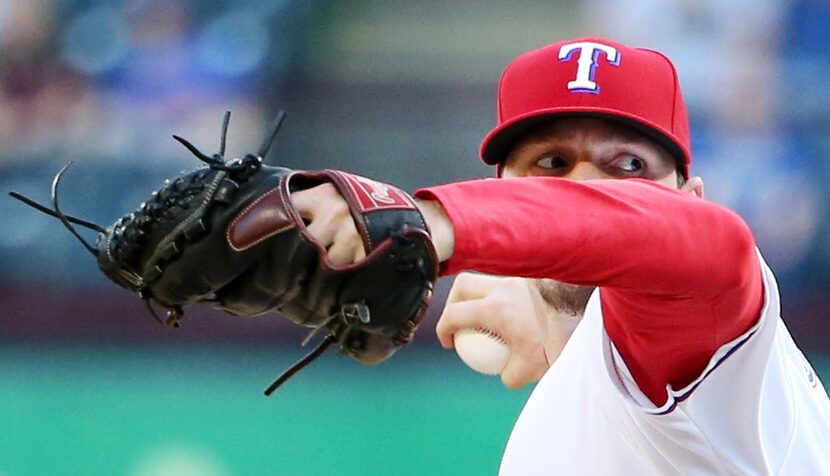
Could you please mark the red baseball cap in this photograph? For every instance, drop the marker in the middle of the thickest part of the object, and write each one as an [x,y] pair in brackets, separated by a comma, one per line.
[591,77]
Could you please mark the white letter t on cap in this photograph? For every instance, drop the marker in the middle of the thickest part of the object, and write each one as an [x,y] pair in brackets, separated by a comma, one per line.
[587,63]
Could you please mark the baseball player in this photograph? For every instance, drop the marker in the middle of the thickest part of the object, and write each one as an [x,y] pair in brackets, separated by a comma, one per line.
[646,313]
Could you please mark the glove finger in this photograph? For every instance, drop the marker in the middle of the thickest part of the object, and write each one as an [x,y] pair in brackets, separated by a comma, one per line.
[460,315]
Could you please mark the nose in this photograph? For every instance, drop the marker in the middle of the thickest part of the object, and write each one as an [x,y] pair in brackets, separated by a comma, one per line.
[584,170]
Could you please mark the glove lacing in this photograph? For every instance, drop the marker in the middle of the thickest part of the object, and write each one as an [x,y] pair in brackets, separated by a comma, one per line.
[174,194]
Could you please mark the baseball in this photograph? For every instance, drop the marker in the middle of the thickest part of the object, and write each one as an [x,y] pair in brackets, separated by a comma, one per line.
[482,350]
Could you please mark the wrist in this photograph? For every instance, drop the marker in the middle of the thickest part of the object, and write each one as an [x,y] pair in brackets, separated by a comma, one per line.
[440,227]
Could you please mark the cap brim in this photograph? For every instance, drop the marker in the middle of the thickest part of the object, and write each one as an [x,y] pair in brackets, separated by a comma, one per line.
[501,140]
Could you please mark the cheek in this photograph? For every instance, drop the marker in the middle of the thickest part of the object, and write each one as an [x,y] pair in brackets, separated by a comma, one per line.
[517,165]
[521,169]
[508,171]
[669,180]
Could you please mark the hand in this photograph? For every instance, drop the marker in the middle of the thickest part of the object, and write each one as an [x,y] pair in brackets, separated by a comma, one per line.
[332,225]
[330,222]
[508,307]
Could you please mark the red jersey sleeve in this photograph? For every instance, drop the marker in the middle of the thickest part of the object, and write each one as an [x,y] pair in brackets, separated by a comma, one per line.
[678,275]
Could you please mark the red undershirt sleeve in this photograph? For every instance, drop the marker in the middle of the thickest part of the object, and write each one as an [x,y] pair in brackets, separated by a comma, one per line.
[678,275]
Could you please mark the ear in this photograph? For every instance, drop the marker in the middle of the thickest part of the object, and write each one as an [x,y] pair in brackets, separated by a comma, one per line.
[694,186]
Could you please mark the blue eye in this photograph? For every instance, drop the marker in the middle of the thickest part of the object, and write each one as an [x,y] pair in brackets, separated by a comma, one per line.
[551,162]
[631,163]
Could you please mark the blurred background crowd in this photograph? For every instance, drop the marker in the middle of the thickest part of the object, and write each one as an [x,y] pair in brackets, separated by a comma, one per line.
[397,90]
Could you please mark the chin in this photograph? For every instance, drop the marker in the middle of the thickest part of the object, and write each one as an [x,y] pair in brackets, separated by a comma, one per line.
[570,299]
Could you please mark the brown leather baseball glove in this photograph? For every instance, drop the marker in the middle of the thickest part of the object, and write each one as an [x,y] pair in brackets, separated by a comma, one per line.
[227,234]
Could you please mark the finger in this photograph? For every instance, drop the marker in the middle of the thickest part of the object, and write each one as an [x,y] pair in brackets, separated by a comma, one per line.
[323,231]
[333,222]
[344,251]
[360,253]
[347,242]
[304,202]
[470,286]
[318,200]
[460,315]
[340,254]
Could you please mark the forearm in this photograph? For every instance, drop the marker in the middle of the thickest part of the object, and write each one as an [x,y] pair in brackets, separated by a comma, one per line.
[679,275]
[619,234]
[440,226]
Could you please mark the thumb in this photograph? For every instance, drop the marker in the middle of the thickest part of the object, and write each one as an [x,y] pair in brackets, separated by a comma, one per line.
[518,372]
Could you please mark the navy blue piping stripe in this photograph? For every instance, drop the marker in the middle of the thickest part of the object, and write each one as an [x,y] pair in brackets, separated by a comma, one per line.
[722,359]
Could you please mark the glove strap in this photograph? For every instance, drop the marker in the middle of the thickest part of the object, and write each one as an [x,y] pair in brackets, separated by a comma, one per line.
[379,210]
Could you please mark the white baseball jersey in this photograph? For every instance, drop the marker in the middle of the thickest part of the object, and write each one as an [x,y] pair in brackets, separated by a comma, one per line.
[758,408]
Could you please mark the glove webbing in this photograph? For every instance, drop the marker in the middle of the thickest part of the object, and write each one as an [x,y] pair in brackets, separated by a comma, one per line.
[241,168]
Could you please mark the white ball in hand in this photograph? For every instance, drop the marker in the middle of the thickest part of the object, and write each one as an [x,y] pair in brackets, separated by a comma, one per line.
[482,350]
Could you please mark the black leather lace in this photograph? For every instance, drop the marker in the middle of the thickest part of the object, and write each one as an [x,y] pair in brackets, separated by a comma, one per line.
[130,233]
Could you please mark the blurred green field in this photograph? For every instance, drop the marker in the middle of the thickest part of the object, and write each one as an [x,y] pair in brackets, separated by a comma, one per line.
[197,410]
